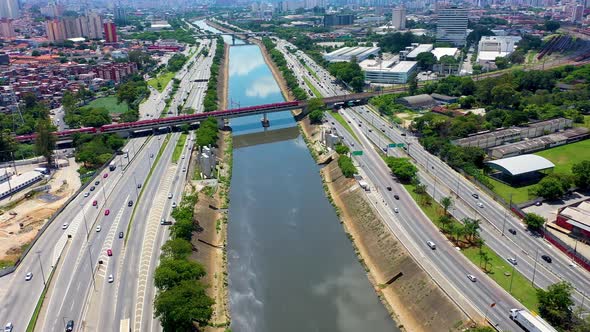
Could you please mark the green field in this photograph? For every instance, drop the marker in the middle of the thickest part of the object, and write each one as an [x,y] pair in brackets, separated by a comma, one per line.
[566,155]
[110,103]
[519,195]
[163,79]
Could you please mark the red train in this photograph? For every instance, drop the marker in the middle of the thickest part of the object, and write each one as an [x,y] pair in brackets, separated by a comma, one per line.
[162,121]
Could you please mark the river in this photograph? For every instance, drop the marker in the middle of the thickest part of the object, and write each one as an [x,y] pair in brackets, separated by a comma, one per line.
[291,266]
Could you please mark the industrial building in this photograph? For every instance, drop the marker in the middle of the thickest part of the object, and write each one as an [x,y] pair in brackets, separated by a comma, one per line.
[418,102]
[388,72]
[492,47]
[411,52]
[451,25]
[576,219]
[19,182]
[346,54]
[519,169]
[491,139]
[439,52]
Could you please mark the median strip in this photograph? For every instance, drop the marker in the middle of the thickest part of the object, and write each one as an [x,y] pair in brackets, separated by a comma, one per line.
[33,321]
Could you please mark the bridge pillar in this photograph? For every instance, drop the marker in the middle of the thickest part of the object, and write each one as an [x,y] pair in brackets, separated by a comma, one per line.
[264,121]
[221,123]
[233,39]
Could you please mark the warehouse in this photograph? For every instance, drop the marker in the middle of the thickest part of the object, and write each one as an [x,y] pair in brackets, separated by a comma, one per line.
[388,72]
[576,219]
[520,169]
[346,54]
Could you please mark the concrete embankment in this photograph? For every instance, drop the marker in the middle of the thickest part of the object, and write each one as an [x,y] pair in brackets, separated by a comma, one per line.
[223,82]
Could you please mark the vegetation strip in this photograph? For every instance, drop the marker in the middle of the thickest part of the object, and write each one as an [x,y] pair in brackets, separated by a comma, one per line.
[33,321]
[345,124]
[179,147]
[312,87]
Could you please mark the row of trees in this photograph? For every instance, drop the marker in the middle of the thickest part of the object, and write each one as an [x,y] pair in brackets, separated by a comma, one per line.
[349,73]
[279,60]
[176,62]
[402,168]
[556,306]
[210,102]
[182,300]
[208,132]
[555,185]
[95,150]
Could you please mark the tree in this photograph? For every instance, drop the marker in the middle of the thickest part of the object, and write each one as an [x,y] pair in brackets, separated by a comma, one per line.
[581,172]
[357,83]
[402,168]
[316,116]
[555,304]
[501,62]
[552,26]
[534,221]
[504,95]
[426,60]
[471,229]
[553,186]
[45,140]
[341,149]
[346,166]
[177,249]
[412,85]
[445,221]
[179,306]
[446,202]
[172,272]
[480,329]
[35,53]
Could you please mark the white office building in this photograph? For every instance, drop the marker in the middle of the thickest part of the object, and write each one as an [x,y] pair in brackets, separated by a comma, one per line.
[411,52]
[451,25]
[346,54]
[388,72]
[491,47]
[398,18]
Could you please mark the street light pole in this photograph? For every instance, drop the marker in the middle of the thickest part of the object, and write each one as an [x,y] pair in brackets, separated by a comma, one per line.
[504,223]
[91,268]
[85,223]
[41,266]
[511,279]
[535,268]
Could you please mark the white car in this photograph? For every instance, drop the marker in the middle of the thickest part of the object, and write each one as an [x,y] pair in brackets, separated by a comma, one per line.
[431,244]
[29,276]
[86,194]
[480,204]
[512,260]
[173,205]
[65,226]
[396,210]
[472,277]
[111,278]
[98,228]
[169,195]
[184,169]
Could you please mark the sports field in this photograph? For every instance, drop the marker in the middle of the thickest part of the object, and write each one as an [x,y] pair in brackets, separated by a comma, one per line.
[110,103]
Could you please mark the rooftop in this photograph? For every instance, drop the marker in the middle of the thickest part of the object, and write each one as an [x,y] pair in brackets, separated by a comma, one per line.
[521,164]
[439,52]
[420,49]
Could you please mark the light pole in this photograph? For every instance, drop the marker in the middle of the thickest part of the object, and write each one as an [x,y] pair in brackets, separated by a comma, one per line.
[511,279]
[504,223]
[535,268]
[41,266]
[85,223]
[136,189]
[91,269]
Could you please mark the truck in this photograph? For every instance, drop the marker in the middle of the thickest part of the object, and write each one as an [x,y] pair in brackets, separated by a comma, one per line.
[530,322]
[364,185]
[112,166]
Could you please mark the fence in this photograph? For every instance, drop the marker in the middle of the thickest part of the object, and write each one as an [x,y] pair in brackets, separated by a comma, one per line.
[569,251]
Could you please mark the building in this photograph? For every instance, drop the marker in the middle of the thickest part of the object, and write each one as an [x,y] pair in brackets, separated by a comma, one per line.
[516,169]
[52,10]
[72,27]
[388,72]
[19,182]
[439,52]
[120,15]
[338,19]
[9,9]
[115,72]
[207,162]
[398,18]
[412,52]
[577,13]
[418,102]
[346,54]
[576,219]
[110,32]
[55,30]
[93,26]
[6,29]
[491,47]
[451,25]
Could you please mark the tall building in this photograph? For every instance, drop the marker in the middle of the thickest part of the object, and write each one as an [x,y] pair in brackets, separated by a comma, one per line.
[398,18]
[6,29]
[110,32]
[56,31]
[120,15]
[338,19]
[9,9]
[72,26]
[451,25]
[577,13]
[93,26]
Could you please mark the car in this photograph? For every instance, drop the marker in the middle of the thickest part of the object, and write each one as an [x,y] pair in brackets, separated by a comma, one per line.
[29,276]
[182,156]
[151,154]
[107,212]
[476,196]
[403,134]
[65,226]
[109,252]
[348,121]
[111,278]
[8,327]
[538,203]
[106,175]
[512,260]
[396,210]
[173,205]
[360,125]
[165,222]
[96,183]
[512,231]
[396,196]
[370,130]
[94,203]
[431,244]
[388,188]
[184,169]
[139,186]
[92,188]
[130,203]
[480,204]
[70,326]
[546,258]
[471,277]
[120,235]
[86,194]
[169,195]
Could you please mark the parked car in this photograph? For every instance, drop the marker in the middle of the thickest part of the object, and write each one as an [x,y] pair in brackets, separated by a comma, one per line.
[173,205]
[169,195]
[92,188]
[106,175]
[111,278]
[96,183]
[86,194]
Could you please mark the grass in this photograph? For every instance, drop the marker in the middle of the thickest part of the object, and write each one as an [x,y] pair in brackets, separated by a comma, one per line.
[566,155]
[345,124]
[530,58]
[163,79]
[498,268]
[178,148]
[6,263]
[519,194]
[313,89]
[111,104]
[33,321]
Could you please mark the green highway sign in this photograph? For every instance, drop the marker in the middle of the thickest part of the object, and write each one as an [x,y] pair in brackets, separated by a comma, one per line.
[400,145]
[357,153]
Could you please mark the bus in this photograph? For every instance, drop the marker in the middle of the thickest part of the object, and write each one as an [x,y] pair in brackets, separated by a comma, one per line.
[124,326]
[112,166]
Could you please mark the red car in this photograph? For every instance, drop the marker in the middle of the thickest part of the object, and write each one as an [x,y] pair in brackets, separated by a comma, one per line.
[107,212]
[109,252]
[95,203]
[105,175]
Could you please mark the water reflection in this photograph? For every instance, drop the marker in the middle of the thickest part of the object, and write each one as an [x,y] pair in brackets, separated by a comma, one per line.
[246,66]
[263,87]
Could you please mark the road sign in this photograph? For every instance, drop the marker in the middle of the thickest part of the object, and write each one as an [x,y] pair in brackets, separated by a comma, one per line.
[400,145]
[357,153]
[392,145]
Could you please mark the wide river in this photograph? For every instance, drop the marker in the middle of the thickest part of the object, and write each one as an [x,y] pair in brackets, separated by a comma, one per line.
[291,266]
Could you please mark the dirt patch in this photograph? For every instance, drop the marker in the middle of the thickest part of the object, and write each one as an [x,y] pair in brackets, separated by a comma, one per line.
[209,241]
[413,299]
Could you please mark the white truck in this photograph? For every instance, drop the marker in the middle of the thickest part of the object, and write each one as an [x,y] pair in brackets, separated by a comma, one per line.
[530,322]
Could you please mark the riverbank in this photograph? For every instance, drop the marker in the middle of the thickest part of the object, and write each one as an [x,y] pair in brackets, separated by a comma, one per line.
[210,239]
[223,81]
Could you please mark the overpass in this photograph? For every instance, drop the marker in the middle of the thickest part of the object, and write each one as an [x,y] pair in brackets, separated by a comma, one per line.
[241,35]
[222,117]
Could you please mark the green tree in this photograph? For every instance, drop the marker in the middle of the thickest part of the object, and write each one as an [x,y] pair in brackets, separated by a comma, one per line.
[504,95]
[357,83]
[412,85]
[316,116]
[180,306]
[471,229]
[553,186]
[402,168]
[7,144]
[426,60]
[172,272]
[315,104]
[534,221]
[177,248]
[445,222]
[555,304]
[446,203]
[45,140]
[341,149]
[581,172]
[501,62]
[346,166]
[552,26]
